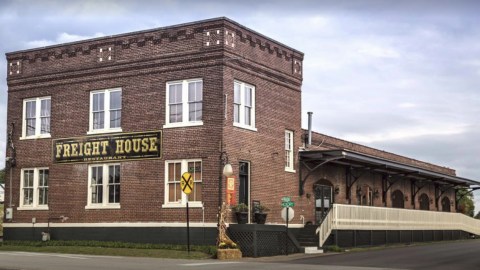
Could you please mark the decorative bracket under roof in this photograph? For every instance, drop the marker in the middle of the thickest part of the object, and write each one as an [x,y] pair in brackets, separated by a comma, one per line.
[440,190]
[310,170]
[387,183]
[350,179]
[416,186]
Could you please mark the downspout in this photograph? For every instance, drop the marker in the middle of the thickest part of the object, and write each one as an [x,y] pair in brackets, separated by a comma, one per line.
[309,128]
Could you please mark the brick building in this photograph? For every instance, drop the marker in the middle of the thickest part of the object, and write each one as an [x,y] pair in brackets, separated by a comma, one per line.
[103,129]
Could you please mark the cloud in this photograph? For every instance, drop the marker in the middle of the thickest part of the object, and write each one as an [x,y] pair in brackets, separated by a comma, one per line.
[407,105]
[61,38]
[377,51]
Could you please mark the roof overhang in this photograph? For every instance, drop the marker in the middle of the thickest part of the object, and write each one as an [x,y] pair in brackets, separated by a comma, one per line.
[357,160]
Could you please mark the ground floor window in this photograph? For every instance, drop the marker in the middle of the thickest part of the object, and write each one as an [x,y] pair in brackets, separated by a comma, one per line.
[34,188]
[104,186]
[174,169]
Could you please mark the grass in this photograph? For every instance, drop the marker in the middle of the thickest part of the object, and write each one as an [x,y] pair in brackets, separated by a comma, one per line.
[111,249]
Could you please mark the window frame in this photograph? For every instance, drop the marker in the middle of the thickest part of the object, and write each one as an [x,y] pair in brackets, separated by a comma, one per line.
[38,118]
[36,190]
[184,103]
[290,159]
[105,187]
[242,106]
[182,202]
[106,109]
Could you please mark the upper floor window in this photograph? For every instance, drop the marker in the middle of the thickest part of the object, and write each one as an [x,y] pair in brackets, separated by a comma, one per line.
[184,103]
[174,169]
[34,189]
[289,151]
[103,186]
[244,105]
[106,110]
[36,117]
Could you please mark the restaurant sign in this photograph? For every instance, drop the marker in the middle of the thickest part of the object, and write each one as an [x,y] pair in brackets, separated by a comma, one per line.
[112,147]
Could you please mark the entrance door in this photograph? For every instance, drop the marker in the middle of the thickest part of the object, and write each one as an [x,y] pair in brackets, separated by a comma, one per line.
[244,175]
[397,199]
[424,202]
[323,201]
[446,204]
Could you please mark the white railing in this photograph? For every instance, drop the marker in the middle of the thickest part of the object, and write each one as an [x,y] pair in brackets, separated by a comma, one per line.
[354,217]
[325,228]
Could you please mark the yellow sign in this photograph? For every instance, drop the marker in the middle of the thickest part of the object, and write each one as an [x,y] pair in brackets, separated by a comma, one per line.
[186,183]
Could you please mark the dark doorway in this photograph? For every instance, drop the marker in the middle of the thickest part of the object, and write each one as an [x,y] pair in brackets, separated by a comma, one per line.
[397,199]
[244,180]
[424,202]
[446,204]
[323,201]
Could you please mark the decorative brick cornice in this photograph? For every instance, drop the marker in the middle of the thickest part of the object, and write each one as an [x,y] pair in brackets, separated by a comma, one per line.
[221,32]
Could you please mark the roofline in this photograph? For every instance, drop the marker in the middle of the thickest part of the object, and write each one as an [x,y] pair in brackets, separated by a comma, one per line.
[383,151]
[153,30]
[372,159]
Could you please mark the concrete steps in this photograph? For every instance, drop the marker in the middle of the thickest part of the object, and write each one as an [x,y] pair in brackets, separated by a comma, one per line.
[308,240]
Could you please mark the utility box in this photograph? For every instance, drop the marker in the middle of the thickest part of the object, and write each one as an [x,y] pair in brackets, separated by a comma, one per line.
[9,213]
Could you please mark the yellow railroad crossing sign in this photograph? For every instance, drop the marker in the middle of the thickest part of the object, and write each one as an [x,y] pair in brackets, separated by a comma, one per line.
[186,183]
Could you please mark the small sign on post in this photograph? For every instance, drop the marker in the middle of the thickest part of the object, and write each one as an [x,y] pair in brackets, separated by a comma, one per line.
[186,184]
[287,215]
[231,191]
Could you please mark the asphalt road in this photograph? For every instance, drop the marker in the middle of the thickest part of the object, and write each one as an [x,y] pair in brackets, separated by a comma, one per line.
[453,255]
[439,256]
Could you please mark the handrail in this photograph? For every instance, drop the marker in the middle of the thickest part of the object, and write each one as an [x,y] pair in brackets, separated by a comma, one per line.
[326,226]
[356,217]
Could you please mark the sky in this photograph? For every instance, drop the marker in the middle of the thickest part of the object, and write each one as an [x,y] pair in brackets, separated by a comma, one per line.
[400,76]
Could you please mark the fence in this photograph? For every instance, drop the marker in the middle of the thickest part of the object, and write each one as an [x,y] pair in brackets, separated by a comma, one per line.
[354,217]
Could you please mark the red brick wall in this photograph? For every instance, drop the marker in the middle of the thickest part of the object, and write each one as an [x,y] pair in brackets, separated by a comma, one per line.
[141,64]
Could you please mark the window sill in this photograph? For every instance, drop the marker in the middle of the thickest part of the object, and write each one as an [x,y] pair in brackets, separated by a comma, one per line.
[182,205]
[112,206]
[182,124]
[244,126]
[43,136]
[290,170]
[32,208]
[102,131]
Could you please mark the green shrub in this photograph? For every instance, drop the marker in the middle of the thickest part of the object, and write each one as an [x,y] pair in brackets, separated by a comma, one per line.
[333,249]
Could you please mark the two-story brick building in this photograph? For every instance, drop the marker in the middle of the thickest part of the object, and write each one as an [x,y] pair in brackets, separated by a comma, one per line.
[103,129]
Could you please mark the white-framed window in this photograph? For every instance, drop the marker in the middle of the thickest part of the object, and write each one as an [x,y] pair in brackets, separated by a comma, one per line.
[34,189]
[174,169]
[289,151]
[36,118]
[103,186]
[244,105]
[184,103]
[105,111]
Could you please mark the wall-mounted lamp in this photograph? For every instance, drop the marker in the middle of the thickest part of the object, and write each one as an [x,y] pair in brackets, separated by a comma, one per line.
[431,200]
[359,190]
[337,189]
[227,170]
[376,194]
[406,198]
